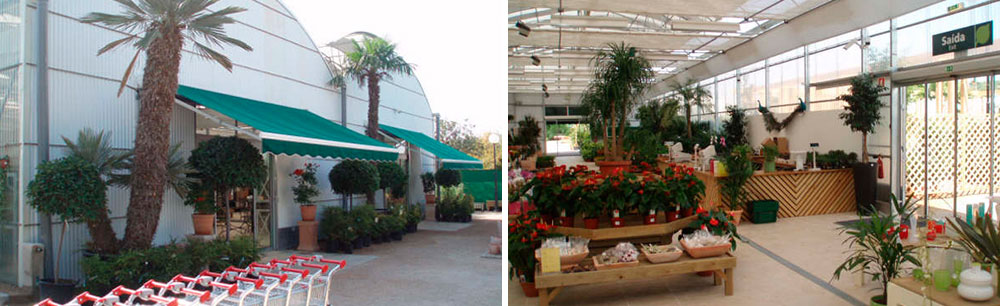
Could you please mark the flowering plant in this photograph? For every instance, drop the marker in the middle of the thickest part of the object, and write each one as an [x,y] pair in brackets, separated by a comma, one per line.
[526,232]
[683,185]
[516,179]
[305,183]
[716,222]
[200,197]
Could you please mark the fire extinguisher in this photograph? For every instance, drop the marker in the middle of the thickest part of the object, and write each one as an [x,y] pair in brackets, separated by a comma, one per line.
[881,174]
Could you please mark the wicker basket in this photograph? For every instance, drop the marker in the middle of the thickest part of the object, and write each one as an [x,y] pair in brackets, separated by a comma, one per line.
[662,257]
[703,252]
[600,267]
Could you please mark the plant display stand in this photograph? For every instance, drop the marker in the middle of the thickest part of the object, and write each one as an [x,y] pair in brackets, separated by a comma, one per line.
[550,284]
[307,236]
[906,291]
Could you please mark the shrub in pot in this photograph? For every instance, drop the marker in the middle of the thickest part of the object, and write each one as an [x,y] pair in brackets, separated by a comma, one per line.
[305,189]
[525,233]
[72,189]
[350,177]
[363,218]
[413,217]
[428,183]
[226,163]
[394,225]
[876,247]
[862,114]
[740,169]
[339,230]
[392,178]
[200,198]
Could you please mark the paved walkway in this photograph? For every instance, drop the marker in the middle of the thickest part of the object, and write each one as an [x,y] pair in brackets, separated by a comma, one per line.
[428,267]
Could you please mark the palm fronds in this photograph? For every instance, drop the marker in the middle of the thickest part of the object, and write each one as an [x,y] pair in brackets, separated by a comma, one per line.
[980,238]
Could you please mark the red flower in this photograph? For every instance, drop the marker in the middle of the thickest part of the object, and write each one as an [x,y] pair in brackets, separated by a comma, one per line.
[640,191]
[524,239]
[199,199]
[298,172]
[713,222]
[534,235]
[700,210]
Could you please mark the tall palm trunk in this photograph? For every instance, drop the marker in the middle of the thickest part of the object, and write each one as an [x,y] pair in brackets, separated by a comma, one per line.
[102,236]
[372,130]
[152,139]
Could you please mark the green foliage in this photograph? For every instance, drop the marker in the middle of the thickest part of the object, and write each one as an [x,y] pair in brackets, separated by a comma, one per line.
[526,136]
[413,214]
[580,135]
[657,116]
[132,268]
[338,225]
[392,176]
[770,152]
[70,188]
[874,245]
[363,219]
[428,181]
[545,161]
[740,169]
[589,150]
[863,110]
[734,129]
[691,96]
[701,134]
[201,198]
[448,177]
[835,159]
[463,137]
[980,239]
[305,184]
[377,57]
[553,130]
[646,146]
[454,205]
[354,177]
[229,162]
[621,78]
[393,223]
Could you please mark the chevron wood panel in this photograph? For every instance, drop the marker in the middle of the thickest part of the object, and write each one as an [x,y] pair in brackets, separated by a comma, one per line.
[798,193]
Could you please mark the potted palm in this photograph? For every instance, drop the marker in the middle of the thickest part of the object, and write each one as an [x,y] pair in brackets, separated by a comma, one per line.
[305,189]
[72,189]
[740,169]
[350,177]
[875,247]
[621,77]
[862,114]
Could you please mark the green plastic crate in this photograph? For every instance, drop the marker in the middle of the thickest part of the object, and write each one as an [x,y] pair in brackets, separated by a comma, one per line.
[764,211]
[764,217]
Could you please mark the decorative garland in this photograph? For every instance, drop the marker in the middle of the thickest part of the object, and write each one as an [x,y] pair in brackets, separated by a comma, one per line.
[772,124]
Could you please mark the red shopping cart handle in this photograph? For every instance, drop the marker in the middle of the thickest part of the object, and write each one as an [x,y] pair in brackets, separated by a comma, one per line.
[255,281]
[304,272]
[342,263]
[174,287]
[48,302]
[284,262]
[324,268]
[210,273]
[230,288]
[299,257]
[260,265]
[200,280]
[237,270]
[203,296]
[281,277]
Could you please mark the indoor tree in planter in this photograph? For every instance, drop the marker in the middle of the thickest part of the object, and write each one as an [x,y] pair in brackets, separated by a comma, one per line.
[862,114]
[526,232]
[875,247]
[227,163]
[72,189]
[305,189]
[740,169]
[350,177]
[621,77]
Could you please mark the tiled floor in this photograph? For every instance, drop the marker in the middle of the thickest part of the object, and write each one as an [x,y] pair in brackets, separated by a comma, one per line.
[811,243]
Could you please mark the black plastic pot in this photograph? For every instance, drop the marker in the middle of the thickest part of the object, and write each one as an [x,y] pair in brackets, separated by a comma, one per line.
[411,228]
[386,237]
[397,235]
[330,246]
[61,292]
[865,185]
[358,243]
[346,247]
[367,241]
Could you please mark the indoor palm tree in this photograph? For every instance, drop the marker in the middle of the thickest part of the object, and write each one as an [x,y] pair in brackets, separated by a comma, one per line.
[621,77]
[160,28]
[371,61]
[691,96]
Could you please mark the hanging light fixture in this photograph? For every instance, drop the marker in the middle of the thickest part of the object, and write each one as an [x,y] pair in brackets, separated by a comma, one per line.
[522,28]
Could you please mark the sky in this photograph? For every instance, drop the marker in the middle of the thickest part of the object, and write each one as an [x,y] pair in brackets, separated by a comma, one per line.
[458,47]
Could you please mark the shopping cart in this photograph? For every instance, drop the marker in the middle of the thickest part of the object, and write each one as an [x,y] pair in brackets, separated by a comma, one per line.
[297,280]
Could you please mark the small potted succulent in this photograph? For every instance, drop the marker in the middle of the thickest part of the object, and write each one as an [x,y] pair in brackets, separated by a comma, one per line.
[200,198]
[305,189]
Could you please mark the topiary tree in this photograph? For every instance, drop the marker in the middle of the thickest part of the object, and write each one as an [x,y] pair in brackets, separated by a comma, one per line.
[351,177]
[391,176]
[448,177]
[72,189]
[225,163]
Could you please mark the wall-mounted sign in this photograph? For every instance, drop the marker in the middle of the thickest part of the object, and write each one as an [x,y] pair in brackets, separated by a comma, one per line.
[956,6]
[963,39]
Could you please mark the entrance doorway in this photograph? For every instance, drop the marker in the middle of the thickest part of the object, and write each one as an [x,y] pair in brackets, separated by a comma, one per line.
[564,138]
[950,142]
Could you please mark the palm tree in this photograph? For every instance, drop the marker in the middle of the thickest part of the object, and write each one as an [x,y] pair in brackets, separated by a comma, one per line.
[621,77]
[95,148]
[691,96]
[160,28]
[371,61]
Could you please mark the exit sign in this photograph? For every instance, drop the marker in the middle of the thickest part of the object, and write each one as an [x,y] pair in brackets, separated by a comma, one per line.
[949,68]
[955,7]
[963,39]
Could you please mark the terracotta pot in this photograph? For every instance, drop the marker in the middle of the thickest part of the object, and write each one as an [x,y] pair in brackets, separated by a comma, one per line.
[529,289]
[203,223]
[308,212]
[671,215]
[429,198]
[650,219]
[609,167]
[591,223]
[687,212]
[566,221]
[736,215]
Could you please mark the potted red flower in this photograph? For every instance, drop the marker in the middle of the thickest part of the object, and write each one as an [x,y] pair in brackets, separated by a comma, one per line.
[203,218]
[685,189]
[526,232]
[305,189]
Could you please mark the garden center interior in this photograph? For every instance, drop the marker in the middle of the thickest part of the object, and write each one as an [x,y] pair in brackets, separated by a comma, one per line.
[786,89]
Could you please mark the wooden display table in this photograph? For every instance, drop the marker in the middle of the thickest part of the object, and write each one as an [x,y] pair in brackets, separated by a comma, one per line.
[799,193]
[550,284]
[606,237]
[906,291]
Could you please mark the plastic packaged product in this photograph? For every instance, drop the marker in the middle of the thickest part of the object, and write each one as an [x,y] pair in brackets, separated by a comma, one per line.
[703,238]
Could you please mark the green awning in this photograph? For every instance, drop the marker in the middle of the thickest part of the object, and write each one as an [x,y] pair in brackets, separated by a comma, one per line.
[450,157]
[292,131]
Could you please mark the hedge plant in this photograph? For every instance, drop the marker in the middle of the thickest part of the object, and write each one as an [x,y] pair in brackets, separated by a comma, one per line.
[351,177]
[337,225]
[448,177]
